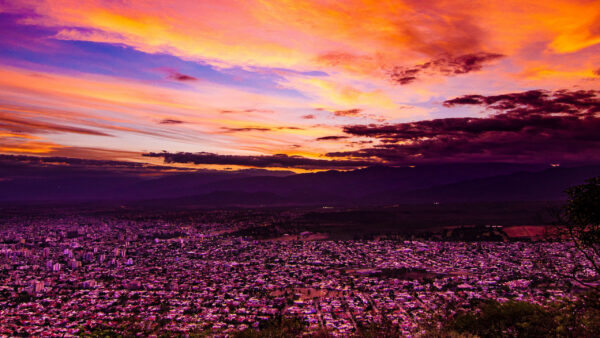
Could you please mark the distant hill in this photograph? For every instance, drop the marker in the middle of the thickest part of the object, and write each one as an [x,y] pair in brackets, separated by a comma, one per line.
[545,185]
[362,182]
[378,185]
[22,183]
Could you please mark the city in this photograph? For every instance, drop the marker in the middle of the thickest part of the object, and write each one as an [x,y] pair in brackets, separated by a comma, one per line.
[76,275]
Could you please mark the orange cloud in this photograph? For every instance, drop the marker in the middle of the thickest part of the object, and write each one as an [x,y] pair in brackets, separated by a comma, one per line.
[355,36]
[355,44]
[22,145]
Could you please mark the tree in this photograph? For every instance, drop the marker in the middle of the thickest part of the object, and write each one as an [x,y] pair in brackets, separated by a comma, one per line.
[277,327]
[581,220]
[510,319]
[382,329]
[523,319]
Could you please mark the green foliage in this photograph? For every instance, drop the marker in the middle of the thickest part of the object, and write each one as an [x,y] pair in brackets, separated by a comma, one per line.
[582,214]
[581,219]
[134,327]
[513,319]
[23,297]
[523,319]
[278,327]
[383,329]
[580,318]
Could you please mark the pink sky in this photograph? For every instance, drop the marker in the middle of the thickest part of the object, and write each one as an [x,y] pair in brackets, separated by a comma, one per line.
[115,79]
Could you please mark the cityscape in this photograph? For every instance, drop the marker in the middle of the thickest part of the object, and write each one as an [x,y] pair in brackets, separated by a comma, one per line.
[79,275]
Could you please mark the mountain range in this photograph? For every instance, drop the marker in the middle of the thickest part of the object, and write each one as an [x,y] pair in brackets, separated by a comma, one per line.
[377,185]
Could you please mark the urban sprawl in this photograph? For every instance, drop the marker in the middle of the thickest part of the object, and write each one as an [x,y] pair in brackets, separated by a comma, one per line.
[68,276]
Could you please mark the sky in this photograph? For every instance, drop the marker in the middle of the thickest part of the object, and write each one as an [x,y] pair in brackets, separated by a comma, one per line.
[301,85]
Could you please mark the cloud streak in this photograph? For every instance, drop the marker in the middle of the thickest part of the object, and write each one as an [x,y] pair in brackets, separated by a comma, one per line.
[171,121]
[16,165]
[348,113]
[332,138]
[20,125]
[244,129]
[260,161]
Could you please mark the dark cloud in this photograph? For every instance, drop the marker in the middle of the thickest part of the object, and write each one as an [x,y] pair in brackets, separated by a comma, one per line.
[362,142]
[181,77]
[465,63]
[331,138]
[562,102]
[262,161]
[170,121]
[308,117]
[243,129]
[447,66]
[349,112]
[17,164]
[235,130]
[533,126]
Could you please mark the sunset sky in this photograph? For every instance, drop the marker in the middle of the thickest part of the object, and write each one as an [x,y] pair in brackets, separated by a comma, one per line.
[301,84]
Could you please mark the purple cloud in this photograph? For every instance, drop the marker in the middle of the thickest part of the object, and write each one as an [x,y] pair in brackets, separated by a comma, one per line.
[170,121]
[234,130]
[348,112]
[447,66]
[181,77]
[14,164]
[533,126]
[261,161]
[331,138]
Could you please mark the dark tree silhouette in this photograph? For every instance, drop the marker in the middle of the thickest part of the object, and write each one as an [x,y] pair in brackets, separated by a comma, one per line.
[581,220]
